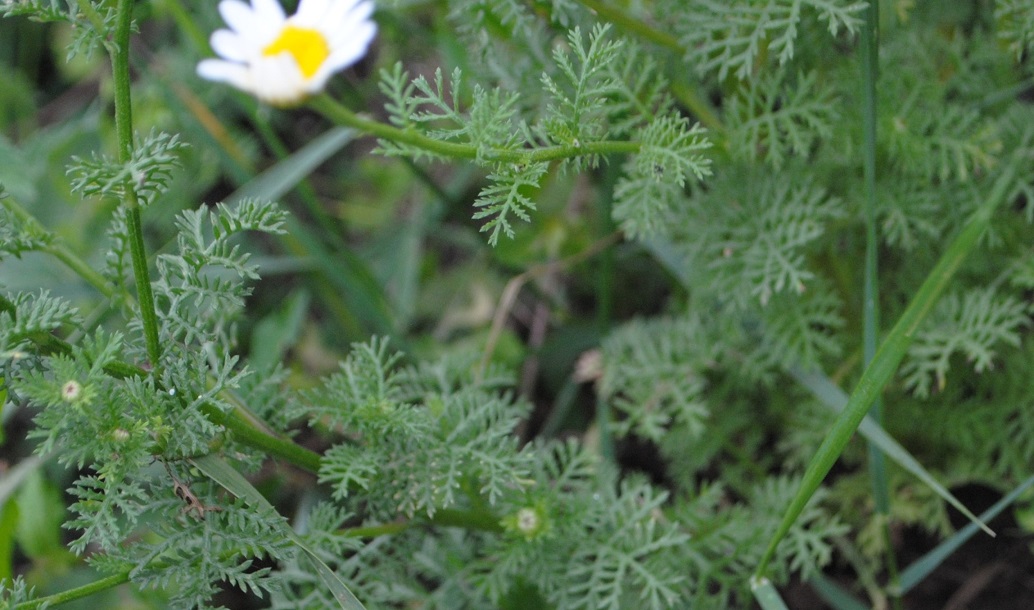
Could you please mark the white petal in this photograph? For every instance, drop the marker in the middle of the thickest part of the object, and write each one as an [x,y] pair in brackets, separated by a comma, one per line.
[259,27]
[237,15]
[269,11]
[311,13]
[225,72]
[353,42]
[229,45]
[278,80]
[344,12]
[345,25]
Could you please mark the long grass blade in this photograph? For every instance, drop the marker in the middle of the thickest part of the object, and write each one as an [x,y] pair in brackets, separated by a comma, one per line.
[766,594]
[832,396]
[232,481]
[887,359]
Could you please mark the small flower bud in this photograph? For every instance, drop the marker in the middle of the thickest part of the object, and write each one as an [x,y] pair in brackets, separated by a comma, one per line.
[529,522]
[71,391]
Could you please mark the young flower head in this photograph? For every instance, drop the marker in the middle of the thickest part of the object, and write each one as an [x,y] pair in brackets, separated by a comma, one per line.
[280,59]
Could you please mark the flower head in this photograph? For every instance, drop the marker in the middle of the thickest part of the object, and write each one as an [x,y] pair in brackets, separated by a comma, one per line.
[281,59]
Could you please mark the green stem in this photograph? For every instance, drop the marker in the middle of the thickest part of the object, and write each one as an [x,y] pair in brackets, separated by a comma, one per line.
[124,133]
[868,50]
[343,116]
[887,358]
[86,590]
[246,428]
[246,431]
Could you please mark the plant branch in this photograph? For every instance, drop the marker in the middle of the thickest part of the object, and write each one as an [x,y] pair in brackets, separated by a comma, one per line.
[341,115]
[124,133]
[685,94]
[86,590]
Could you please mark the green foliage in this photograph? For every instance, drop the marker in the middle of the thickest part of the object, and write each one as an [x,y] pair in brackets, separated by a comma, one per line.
[775,117]
[728,38]
[653,377]
[146,174]
[603,88]
[408,456]
[567,423]
[656,175]
[972,325]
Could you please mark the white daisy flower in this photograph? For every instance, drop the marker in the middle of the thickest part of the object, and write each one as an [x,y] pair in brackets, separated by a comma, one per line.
[281,60]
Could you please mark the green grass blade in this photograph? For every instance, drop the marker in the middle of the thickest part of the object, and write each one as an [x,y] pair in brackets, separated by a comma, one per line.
[358,299]
[234,482]
[834,595]
[281,178]
[887,359]
[832,396]
[766,594]
[915,573]
[868,51]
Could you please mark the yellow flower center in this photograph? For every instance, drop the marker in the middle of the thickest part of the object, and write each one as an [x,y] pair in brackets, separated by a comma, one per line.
[308,47]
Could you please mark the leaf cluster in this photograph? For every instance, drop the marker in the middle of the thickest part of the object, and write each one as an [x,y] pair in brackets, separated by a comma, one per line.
[603,88]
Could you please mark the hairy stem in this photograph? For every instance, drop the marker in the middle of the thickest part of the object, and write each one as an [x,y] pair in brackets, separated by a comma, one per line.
[124,133]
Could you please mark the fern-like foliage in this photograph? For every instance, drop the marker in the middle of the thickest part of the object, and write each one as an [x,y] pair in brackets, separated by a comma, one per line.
[28,317]
[598,87]
[116,261]
[509,193]
[146,173]
[435,108]
[753,234]
[222,546]
[671,152]
[201,288]
[799,329]
[730,539]
[972,325]
[776,117]
[14,592]
[653,376]
[729,37]
[409,458]
[577,104]
[626,558]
